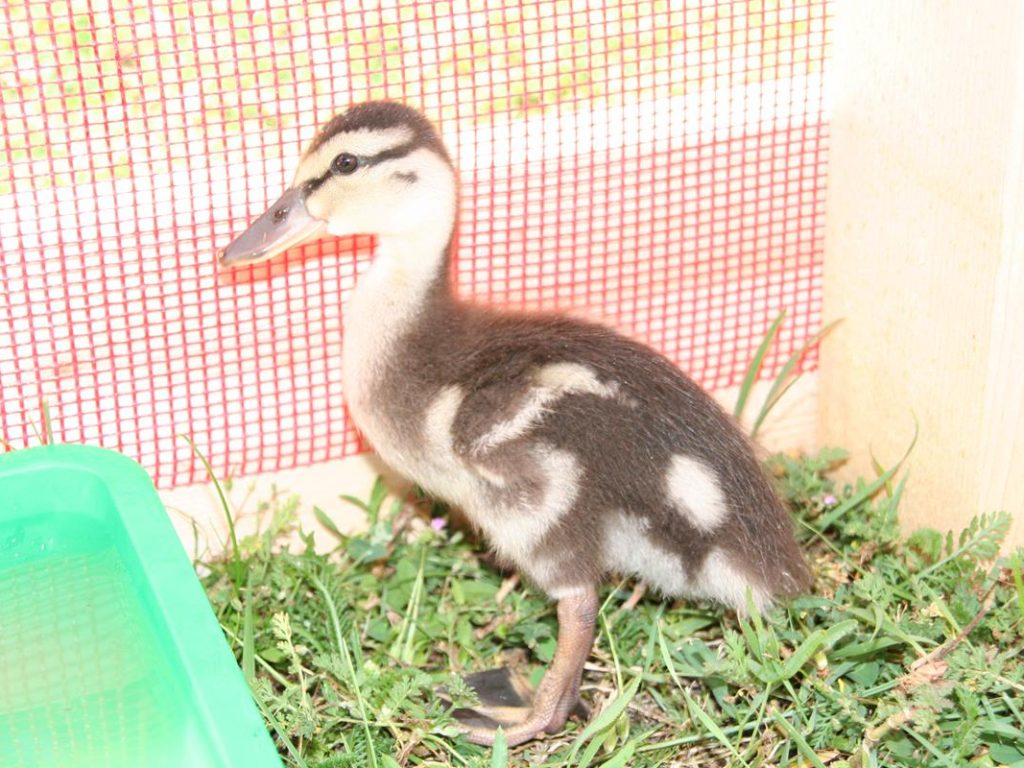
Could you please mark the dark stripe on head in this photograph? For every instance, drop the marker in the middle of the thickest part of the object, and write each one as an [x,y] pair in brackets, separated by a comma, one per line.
[365,161]
[380,116]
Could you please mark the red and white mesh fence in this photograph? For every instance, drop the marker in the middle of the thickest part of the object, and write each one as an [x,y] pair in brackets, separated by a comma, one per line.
[656,165]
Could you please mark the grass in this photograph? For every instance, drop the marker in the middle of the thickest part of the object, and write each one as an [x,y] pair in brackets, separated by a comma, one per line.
[906,653]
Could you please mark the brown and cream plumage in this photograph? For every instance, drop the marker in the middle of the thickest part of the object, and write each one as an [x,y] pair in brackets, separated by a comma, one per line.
[576,451]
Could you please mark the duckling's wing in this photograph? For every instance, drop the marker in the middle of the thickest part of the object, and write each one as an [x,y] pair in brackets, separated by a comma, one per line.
[519,376]
[507,410]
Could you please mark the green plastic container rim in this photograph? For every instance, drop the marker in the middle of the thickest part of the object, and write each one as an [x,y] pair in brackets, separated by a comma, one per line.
[222,698]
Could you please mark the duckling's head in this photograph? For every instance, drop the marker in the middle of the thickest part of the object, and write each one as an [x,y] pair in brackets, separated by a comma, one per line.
[379,168]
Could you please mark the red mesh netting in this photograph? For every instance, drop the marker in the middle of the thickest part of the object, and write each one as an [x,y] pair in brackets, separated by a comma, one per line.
[659,165]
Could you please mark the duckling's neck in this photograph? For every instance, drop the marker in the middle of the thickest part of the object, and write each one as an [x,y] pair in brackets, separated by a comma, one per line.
[408,278]
[408,273]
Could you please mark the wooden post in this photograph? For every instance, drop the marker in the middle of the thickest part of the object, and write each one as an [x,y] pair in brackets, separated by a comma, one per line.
[925,252]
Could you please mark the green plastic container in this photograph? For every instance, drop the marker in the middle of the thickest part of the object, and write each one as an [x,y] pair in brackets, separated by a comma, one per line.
[109,652]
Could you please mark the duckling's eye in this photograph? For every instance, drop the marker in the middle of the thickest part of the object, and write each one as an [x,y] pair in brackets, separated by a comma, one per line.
[345,163]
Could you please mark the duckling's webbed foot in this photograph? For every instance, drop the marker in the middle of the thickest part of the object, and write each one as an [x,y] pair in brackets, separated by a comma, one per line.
[558,692]
[503,696]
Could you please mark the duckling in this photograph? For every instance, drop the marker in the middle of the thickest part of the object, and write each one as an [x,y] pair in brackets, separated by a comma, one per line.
[576,451]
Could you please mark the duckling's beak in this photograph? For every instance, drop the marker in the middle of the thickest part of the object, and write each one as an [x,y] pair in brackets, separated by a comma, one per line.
[285,224]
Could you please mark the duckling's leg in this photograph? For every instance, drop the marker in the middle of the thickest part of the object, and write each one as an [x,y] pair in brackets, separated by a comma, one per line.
[560,687]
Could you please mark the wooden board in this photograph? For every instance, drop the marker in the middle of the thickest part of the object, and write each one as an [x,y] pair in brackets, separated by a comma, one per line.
[924,252]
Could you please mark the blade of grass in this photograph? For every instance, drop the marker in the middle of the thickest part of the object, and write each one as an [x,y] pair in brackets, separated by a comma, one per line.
[264,664]
[404,644]
[782,383]
[248,640]
[880,470]
[372,505]
[47,424]
[666,659]
[712,727]
[755,365]
[697,738]
[935,752]
[868,490]
[36,432]
[865,648]
[346,659]
[282,734]
[606,719]
[996,726]
[598,743]
[356,502]
[1012,707]
[756,719]
[324,519]
[816,640]
[801,743]
[897,494]
[1017,569]
[238,569]
[652,637]
[892,628]
[587,758]
[499,752]
[621,758]
[754,616]
[195,539]
[611,649]
[752,638]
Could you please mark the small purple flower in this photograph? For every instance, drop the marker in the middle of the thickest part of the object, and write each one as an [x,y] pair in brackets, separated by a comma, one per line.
[830,501]
[438,523]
